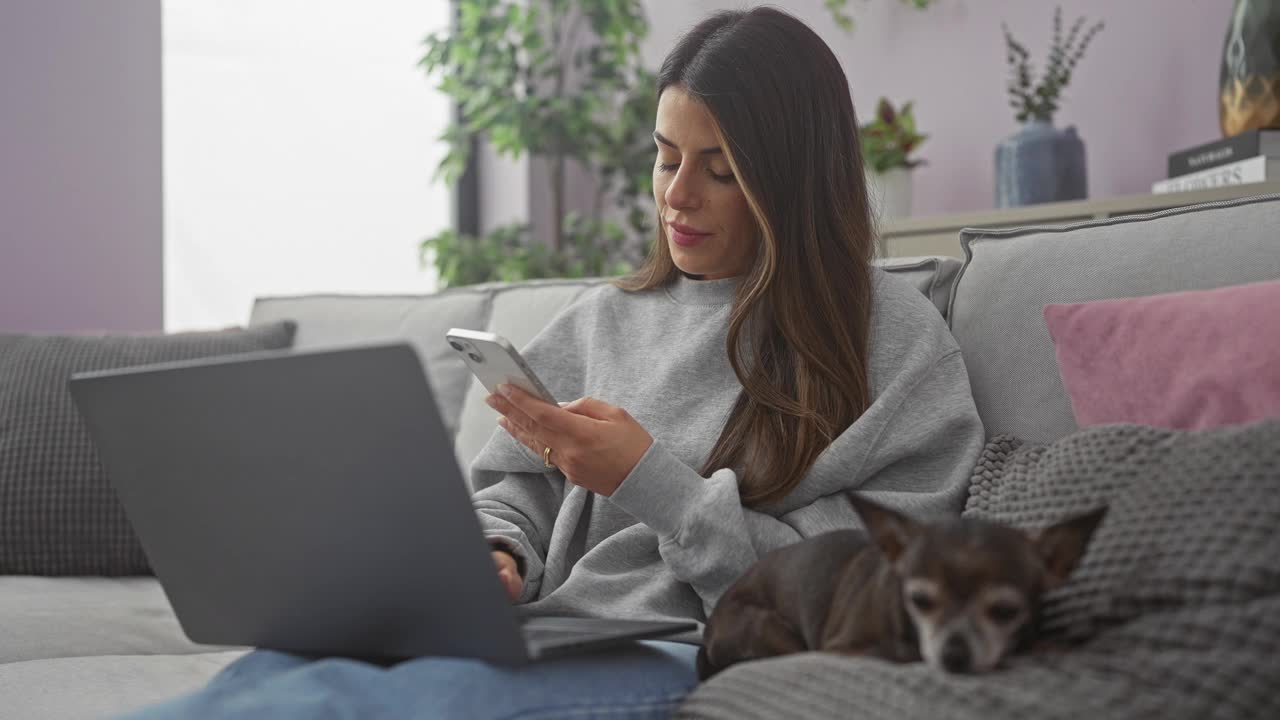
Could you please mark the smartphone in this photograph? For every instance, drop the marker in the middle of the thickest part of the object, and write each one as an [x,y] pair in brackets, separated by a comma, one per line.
[494,361]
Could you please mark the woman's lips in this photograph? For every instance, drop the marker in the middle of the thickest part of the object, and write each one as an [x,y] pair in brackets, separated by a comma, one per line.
[685,236]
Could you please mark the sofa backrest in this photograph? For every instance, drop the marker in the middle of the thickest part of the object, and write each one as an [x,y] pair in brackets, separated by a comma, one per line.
[933,276]
[997,303]
[993,303]
[517,311]
[422,320]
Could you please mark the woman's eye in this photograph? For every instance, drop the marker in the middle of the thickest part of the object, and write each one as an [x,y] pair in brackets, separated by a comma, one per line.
[672,167]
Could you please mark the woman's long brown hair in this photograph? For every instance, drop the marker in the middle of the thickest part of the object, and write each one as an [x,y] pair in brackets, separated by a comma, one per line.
[798,331]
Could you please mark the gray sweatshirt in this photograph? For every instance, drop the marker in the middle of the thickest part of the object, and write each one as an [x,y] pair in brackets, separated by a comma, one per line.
[669,541]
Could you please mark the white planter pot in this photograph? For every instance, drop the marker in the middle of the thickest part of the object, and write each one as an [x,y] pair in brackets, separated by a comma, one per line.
[890,193]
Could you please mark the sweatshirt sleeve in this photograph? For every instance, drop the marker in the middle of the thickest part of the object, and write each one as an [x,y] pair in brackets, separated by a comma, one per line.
[515,498]
[517,512]
[912,450]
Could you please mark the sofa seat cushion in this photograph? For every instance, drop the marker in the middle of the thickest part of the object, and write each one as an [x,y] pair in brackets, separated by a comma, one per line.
[43,618]
[94,647]
[102,686]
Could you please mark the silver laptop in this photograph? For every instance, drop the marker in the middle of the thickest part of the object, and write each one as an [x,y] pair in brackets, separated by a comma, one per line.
[311,501]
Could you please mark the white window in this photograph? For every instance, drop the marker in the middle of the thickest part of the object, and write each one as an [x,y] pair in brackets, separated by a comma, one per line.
[300,138]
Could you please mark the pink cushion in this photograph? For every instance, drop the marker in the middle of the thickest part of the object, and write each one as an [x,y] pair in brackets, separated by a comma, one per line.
[1186,360]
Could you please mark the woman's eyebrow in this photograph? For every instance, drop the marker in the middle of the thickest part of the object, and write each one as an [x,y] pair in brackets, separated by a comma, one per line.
[705,151]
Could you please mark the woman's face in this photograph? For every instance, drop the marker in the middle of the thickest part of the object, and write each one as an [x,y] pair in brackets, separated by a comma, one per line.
[709,227]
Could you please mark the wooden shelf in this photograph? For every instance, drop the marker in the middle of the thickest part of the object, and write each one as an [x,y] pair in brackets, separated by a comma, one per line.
[940,235]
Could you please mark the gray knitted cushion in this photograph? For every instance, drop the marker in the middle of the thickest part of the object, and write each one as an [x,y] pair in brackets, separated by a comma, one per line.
[58,513]
[1192,519]
[1173,613]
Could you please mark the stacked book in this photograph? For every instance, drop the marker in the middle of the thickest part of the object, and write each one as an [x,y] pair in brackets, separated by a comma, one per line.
[1250,157]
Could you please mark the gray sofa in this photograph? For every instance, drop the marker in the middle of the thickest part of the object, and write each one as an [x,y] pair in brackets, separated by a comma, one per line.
[92,647]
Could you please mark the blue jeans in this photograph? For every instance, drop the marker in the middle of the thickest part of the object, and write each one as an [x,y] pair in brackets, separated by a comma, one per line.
[641,680]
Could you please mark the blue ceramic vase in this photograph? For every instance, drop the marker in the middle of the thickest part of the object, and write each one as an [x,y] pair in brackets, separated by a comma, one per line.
[1040,164]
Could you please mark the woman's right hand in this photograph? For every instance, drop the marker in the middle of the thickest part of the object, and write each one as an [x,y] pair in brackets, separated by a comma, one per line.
[508,574]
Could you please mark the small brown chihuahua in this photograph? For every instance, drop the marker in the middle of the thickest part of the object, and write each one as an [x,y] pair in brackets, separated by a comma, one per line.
[960,594]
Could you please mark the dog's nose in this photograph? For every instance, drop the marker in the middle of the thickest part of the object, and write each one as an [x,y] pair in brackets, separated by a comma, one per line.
[955,655]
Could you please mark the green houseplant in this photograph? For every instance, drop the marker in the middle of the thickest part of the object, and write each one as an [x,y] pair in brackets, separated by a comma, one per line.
[562,80]
[1039,101]
[845,21]
[888,142]
[890,138]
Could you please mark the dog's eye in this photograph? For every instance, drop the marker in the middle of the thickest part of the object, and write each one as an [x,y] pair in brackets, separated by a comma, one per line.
[923,602]
[1003,612]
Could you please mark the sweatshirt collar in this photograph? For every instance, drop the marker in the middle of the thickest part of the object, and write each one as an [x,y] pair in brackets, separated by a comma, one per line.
[689,291]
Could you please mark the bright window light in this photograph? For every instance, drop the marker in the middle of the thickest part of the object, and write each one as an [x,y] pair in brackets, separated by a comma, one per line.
[300,140]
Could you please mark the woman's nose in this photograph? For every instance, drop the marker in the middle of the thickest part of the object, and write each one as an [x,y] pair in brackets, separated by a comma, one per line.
[681,193]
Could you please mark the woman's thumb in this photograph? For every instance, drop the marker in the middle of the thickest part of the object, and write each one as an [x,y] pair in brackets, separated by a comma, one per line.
[590,407]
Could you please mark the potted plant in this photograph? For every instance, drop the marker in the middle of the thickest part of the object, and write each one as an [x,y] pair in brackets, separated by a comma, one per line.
[1041,163]
[560,80]
[845,21]
[887,144]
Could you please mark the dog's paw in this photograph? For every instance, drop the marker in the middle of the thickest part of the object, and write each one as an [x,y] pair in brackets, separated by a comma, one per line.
[703,665]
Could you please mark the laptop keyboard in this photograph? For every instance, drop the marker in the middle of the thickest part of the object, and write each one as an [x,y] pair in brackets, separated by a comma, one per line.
[557,636]
[564,632]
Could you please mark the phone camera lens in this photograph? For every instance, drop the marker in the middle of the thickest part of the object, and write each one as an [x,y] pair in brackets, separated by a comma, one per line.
[475,357]
[455,345]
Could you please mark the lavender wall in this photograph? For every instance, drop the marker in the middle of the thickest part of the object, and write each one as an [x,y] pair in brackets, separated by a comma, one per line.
[1148,84]
[80,166]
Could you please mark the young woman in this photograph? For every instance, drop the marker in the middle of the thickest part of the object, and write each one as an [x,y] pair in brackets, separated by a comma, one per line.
[732,391]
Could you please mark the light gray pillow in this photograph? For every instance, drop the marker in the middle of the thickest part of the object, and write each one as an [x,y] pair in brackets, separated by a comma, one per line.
[1009,275]
[932,275]
[421,320]
[58,513]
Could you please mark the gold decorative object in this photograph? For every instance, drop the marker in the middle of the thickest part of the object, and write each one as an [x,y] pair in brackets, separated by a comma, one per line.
[1249,83]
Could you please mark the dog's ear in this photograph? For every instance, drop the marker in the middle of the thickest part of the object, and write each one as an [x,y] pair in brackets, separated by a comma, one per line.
[1063,544]
[891,531]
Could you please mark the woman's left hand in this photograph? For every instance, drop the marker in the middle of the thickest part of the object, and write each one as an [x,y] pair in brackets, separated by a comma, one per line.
[594,444]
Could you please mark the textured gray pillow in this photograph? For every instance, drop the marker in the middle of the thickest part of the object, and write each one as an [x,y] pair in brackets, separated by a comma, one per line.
[1176,605]
[58,513]
[1192,522]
